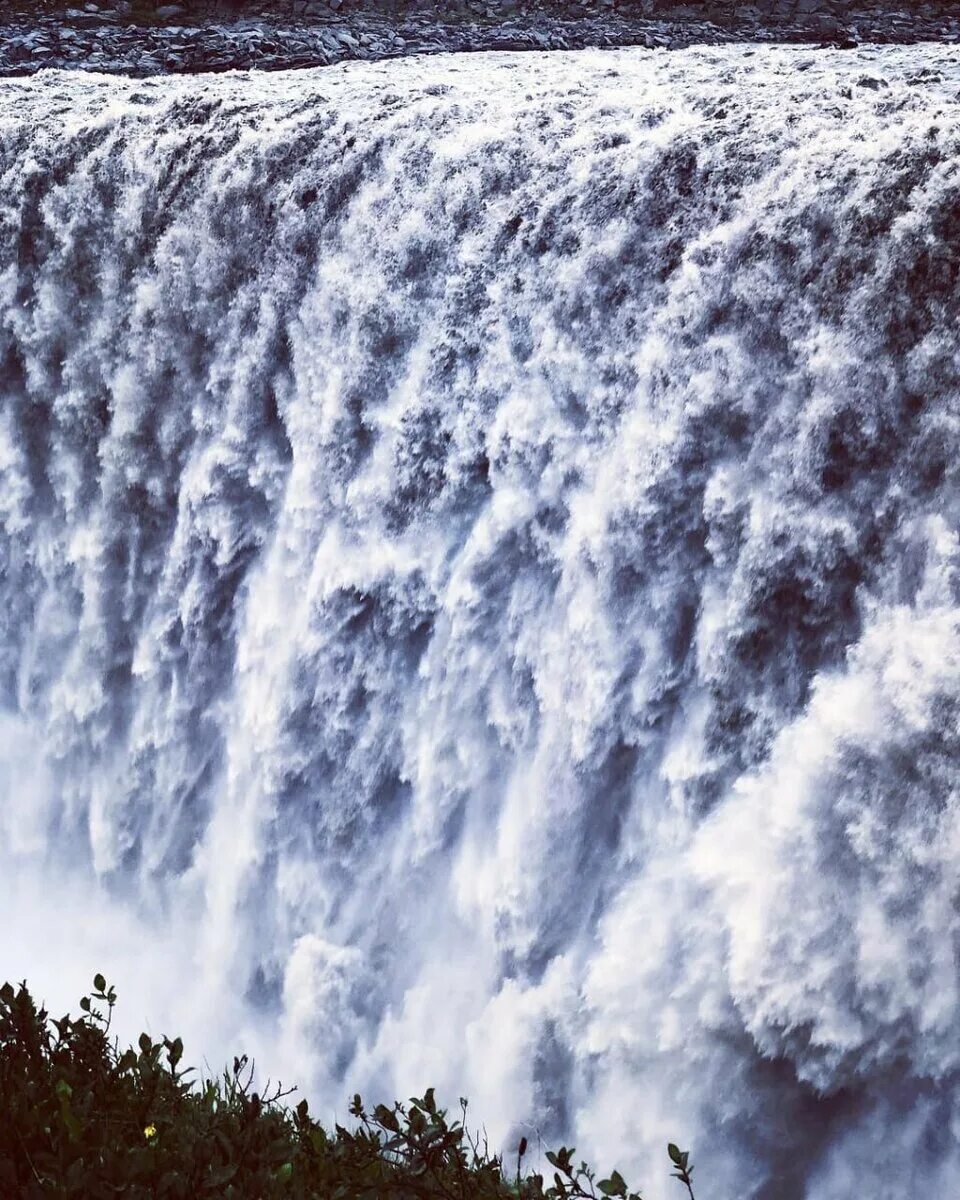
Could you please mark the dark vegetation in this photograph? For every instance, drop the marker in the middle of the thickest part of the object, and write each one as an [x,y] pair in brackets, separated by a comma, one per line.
[80,1118]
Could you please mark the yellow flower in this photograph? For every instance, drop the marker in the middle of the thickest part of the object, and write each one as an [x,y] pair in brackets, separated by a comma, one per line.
[150,1132]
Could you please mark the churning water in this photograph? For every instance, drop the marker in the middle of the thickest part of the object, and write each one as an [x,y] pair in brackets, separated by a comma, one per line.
[480,589]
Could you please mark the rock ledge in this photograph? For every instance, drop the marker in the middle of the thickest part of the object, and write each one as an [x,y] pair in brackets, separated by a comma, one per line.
[117,36]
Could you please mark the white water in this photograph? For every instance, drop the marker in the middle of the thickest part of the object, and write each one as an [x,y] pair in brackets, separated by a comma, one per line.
[480,590]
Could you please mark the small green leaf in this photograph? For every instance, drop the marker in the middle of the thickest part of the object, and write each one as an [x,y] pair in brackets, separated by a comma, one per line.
[614,1186]
[71,1122]
[387,1118]
[64,1092]
[99,983]
[285,1172]
[675,1154]
[175,1051]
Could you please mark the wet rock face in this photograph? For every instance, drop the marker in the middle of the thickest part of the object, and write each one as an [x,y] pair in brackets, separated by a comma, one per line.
[141,37]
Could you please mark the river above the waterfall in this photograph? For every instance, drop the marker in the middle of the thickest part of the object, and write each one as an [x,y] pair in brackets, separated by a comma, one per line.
[480,589]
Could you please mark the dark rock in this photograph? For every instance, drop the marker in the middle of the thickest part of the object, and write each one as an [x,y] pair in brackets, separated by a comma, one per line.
[288,33]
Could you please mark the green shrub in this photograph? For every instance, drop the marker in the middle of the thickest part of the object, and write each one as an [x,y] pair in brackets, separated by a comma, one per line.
[79,1118]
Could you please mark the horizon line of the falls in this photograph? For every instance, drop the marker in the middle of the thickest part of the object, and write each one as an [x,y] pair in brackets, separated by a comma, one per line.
[480,589]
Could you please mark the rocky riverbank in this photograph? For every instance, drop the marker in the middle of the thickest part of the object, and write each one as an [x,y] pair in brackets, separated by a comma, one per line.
[218,35]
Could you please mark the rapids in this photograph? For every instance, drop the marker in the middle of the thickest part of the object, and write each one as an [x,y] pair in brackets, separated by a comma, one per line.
[480,590]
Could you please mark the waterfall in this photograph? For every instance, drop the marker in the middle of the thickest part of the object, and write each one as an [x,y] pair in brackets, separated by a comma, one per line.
[480,589]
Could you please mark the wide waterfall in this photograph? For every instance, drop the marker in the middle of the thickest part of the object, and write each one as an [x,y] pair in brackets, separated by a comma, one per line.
[480,588]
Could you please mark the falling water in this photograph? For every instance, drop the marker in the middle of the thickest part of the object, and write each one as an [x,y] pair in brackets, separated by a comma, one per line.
[480,589]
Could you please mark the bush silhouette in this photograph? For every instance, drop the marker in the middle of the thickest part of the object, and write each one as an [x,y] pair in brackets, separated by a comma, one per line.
[82,1119]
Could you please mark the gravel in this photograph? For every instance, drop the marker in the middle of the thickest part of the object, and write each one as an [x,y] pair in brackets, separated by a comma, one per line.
[118,37]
